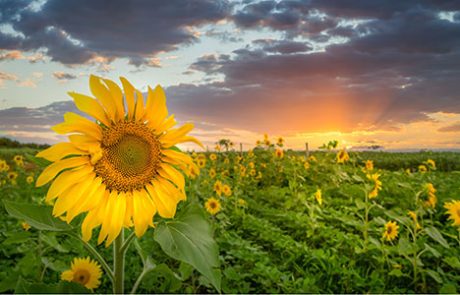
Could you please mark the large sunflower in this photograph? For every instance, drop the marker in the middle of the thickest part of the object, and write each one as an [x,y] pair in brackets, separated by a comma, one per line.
[121,169]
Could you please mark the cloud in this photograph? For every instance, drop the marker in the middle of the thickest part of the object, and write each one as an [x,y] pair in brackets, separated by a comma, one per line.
[7,77]
[18,55]
[450,128]
[64,76]
[75,32]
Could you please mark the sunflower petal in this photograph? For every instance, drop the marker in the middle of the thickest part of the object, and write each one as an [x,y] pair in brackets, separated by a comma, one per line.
[139,106]
[59,151]
[169,172]
[118,216]
[52,170]
[76,123]
[90,106]
[103,95]
[156,110]
[66,179]
[117,96]
[129,94]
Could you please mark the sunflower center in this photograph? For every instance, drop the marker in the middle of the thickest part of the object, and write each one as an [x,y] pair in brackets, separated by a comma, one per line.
[213,205]
[389,230]
[131,155]
[81,276]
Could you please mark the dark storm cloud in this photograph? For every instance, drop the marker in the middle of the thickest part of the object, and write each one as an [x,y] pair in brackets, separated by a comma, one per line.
[281,46]
[73,32]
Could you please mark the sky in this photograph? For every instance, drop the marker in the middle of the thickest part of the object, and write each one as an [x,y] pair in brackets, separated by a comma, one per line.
[377,72]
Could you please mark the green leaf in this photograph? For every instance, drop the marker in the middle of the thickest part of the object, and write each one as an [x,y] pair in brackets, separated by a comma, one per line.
[24,287]
[36,216]
[452,261]
[396,273]
[188,238]
[434,275]
[432,250]
[437,236]
[448,288]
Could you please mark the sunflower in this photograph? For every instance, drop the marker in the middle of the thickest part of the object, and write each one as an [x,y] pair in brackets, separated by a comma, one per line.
[279,153]
[280,142]
[218,187]
[312,159]
[413,216]
[121,169]
[83,271]
[253,172]
[4,166]
[342,156]
[12,176]
[30,179]
[422,168]
[319,197]
[25,226]
[212,205]
[377,185]
[391,231]
[369,165]
[227,190]
[432,199]
[201,162]
[212,172]
[453,209]
[19,160]
[213,157]
[431,163]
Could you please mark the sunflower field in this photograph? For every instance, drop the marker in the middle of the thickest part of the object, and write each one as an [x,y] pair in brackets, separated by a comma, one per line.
[120,208]
[282,222]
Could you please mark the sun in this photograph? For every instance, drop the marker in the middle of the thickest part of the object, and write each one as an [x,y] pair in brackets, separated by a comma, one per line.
[121,169]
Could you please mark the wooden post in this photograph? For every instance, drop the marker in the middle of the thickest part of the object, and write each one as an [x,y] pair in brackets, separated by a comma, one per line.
[241,149]
[307,152]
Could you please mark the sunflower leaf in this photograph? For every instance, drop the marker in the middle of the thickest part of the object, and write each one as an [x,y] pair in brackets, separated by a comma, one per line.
[37,216]
[188,238]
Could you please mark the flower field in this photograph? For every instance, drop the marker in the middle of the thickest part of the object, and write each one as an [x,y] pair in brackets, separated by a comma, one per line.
[279,221]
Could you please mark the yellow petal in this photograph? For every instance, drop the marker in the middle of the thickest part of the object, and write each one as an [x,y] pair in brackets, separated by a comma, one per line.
[84,142]
[129,94]
[52,170]
[70,197]
[177,194]
[118,216]
[59,151]
[165,205]
[94,218]
[167,124]
[169,172]
[66,179]
[117,96]
[167,144]
[178,132]
[139,218]
[67,275]
[76,123]
[129,210]
[139,106]
[156,110]
[102,94]
[90,106]
[182,157]
[106,216]
[86,197]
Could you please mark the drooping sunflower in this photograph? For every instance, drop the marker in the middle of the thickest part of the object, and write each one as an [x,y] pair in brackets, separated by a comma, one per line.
[453,209]
[279,153]
[391,231]
[413,216]
[369,165]
[226,190]
[319,197]
[218,187]
[212,205]
[377,185]
[342,156]
[121,169]
[432,200]
[83,271]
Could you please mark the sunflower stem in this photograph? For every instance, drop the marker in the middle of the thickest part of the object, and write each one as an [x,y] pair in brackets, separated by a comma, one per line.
[118,264]
[127,242]
[96,255]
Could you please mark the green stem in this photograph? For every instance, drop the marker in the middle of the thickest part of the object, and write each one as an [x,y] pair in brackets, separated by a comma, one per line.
[118,264]
[366,220]
[138,281]
[96,255]
[127,242]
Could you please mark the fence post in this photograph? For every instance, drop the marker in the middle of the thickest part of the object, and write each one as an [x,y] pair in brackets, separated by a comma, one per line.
[307,152]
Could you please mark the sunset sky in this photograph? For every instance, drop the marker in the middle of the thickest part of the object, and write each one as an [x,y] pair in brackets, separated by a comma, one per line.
[362,72]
